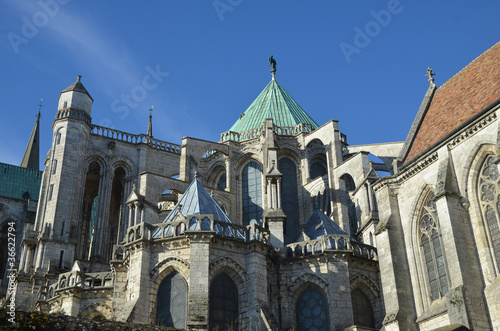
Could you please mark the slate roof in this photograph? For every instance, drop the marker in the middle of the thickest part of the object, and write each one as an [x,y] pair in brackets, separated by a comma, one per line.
[16,181]
[317,225]
[464,95]
[78,87]
[197,201]
[273,102]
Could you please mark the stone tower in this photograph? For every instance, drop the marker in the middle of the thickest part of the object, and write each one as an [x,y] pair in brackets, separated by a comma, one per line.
[60,198]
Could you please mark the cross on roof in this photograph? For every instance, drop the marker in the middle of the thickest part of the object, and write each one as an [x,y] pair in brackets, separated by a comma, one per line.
[40,105]
[430,74]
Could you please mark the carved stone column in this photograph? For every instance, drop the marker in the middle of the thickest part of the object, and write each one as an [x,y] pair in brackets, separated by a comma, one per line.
[136,213]
[278,192]
[269,193]
[229,173]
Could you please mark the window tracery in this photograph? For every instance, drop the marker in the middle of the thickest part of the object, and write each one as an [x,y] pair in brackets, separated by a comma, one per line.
[433,256]
[312,311]
[490,204]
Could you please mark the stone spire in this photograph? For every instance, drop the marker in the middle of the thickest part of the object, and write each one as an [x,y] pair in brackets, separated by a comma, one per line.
[150,125]
[31,158]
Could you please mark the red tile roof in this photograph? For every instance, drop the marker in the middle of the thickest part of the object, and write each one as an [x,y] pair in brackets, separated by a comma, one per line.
[463,96]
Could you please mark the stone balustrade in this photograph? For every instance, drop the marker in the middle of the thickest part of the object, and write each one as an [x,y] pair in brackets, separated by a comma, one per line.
[77,279]
[161,231]
[75,113]
[292,130]
[255,133]
[330,243]
[135,139]
[209,153]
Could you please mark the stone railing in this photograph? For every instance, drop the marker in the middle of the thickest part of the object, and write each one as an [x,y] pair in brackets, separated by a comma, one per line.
[120,253]
[209,153]
[330,243]
[75,113]
[145,231]
[241,136]
[135,139]
[292,130]
[77,279]
[255,133]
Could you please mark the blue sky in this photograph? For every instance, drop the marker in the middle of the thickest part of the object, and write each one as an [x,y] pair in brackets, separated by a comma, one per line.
[204,62]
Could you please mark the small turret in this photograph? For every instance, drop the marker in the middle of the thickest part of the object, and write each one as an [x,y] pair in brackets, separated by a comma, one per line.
[75,97]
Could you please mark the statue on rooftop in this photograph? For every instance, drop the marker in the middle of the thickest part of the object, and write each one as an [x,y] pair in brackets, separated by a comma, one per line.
[272,63]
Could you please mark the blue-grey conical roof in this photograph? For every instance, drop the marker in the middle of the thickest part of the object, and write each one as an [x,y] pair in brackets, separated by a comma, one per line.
[318,224]
[197,201]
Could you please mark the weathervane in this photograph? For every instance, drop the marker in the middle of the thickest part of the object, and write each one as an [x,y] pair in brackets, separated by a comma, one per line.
[40,108]
[272,63]
[430,74]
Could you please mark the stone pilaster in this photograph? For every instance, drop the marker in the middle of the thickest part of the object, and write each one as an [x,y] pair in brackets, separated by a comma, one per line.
[394,269]
[199,285]
[138,276]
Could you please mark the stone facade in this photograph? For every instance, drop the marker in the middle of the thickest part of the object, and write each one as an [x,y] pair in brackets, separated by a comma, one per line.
[300,230]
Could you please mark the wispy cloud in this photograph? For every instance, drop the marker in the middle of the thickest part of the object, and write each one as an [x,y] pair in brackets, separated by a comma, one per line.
[90,44]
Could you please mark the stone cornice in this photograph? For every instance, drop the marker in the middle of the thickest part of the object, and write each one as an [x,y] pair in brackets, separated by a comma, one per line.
[471,131]
[407,173]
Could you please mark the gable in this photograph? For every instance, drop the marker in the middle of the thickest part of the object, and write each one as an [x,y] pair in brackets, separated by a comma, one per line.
[466,94]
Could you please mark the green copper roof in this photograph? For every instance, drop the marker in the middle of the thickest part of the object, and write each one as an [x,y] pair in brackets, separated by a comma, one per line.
[19,183]
[273,102]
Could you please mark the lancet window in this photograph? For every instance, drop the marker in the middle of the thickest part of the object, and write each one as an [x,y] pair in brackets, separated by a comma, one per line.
[432,249]
[490,204]
[223,309]
[252,193]
[289,197]
[171,302]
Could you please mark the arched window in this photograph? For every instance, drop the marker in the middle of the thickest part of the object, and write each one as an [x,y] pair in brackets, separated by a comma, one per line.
[348,182]
[432,250]
[115,210]
[171,302]
[317,170]
[490,204]
[312,311]
[223,308]
[290,201]
[90,210]
[221,183]
[362,309]
[251,180]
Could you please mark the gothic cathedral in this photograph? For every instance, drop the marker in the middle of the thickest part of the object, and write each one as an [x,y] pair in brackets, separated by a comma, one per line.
[279,225]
